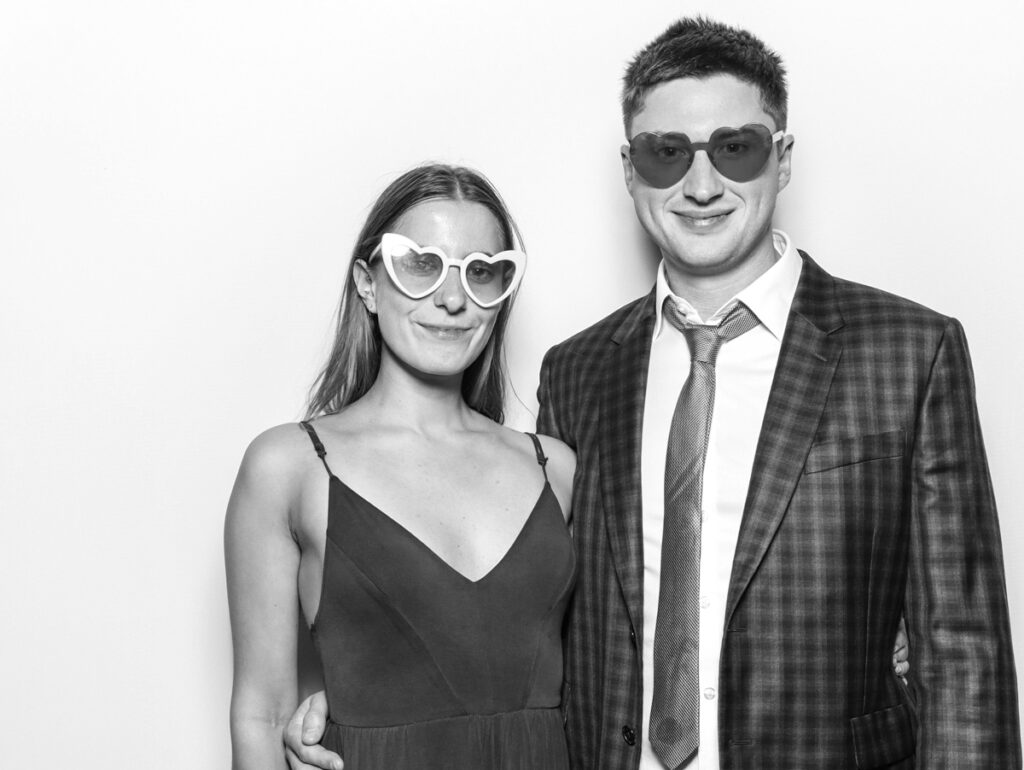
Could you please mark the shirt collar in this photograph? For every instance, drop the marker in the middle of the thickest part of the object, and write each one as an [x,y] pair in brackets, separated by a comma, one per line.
[769,297]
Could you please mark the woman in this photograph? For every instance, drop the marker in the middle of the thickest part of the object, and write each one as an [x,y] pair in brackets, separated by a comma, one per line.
[428,541]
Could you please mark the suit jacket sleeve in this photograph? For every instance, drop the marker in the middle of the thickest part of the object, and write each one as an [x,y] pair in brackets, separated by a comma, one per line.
[956,596]
[547,392]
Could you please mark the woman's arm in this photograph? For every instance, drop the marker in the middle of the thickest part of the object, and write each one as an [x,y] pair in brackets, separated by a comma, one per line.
[262,560]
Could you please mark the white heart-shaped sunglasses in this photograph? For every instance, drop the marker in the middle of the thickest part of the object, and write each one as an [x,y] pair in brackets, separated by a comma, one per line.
[420,270]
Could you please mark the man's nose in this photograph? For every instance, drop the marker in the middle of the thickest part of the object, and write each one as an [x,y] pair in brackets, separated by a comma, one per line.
[450,295]
[702,182]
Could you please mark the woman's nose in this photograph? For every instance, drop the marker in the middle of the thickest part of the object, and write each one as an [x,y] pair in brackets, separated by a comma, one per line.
[450,295]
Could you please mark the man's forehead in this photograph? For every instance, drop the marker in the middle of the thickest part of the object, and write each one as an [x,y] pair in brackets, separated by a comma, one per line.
[697,106]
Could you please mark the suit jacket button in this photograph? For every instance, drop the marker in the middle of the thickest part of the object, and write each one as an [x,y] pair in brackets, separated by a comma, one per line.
[629,735]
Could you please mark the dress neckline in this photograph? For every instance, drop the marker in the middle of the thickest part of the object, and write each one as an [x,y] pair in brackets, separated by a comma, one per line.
[432,554]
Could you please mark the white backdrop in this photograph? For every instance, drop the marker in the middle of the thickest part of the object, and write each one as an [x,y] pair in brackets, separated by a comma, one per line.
[180,184]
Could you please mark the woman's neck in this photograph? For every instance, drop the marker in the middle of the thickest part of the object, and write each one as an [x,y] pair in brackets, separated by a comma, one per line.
[417,401]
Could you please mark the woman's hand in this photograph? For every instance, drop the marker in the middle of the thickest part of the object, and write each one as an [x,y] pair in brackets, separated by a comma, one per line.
[303,734]
[901,652]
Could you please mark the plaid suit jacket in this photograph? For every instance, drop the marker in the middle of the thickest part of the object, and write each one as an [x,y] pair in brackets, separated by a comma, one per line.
[870,497]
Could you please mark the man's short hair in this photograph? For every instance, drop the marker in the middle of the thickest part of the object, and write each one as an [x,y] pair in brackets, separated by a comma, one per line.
[698,48]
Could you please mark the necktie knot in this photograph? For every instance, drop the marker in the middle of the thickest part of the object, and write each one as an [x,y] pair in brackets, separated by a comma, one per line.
[705,341]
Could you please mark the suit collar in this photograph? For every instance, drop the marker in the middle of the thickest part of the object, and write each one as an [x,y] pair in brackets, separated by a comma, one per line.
[638,323]
[621,423]
[815,299]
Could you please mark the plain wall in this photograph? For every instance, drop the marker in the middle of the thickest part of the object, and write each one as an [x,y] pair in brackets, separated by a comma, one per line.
[181,183]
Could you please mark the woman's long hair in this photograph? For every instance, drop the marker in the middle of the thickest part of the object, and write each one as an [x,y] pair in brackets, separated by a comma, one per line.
[354,361]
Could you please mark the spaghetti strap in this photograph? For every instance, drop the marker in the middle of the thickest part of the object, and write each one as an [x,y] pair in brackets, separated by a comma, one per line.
[318,445]
[542,459]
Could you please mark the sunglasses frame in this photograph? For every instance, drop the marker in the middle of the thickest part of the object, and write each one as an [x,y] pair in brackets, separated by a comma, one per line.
[386,249]
[705,146]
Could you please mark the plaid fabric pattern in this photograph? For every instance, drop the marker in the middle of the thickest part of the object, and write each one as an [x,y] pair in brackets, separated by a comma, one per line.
[870,496]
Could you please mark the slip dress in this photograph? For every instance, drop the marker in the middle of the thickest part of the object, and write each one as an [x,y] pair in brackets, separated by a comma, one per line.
[425,668]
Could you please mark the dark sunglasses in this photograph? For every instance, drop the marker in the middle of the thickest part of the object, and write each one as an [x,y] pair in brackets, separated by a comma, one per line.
[739,154]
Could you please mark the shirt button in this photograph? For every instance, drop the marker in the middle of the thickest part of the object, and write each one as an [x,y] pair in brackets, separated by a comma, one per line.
[705,602]
[629,735]
[632,635]
[709,693]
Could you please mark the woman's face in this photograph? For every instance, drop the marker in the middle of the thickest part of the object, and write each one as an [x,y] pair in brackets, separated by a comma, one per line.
[444,332]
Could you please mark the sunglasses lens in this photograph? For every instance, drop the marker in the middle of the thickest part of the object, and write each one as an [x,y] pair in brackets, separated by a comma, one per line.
[417,273]
[489,281]
[662,160]
[740,154]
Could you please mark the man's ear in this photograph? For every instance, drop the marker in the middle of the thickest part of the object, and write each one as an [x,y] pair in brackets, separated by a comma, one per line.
[786,161]
[628,172]
[366,285]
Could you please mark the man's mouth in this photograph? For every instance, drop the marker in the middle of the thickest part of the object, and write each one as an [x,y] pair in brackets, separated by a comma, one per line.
[703,220]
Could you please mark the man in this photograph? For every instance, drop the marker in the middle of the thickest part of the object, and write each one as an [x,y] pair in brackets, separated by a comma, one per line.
[805,450]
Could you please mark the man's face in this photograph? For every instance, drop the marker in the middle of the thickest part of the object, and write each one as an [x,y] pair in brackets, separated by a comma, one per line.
[706,224]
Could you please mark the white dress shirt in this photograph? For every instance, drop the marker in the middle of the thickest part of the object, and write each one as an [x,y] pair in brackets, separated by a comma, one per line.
[743,373]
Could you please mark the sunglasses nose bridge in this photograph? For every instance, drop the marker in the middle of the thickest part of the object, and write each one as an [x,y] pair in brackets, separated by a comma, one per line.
[702,181]
[450,293]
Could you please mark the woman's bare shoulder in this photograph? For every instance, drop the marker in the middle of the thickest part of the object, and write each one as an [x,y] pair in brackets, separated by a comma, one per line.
[561,458]
[278,458]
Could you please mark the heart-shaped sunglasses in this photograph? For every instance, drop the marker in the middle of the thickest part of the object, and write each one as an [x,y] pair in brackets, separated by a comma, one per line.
[420,270]
[739,154]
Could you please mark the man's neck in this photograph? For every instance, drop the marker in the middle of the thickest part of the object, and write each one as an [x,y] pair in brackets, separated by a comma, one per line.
[708,293]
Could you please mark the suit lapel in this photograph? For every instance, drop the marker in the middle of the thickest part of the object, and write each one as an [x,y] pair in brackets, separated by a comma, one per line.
[807,362]
[621,424]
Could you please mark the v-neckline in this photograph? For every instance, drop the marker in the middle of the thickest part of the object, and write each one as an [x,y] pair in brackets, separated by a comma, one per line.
[431,553]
